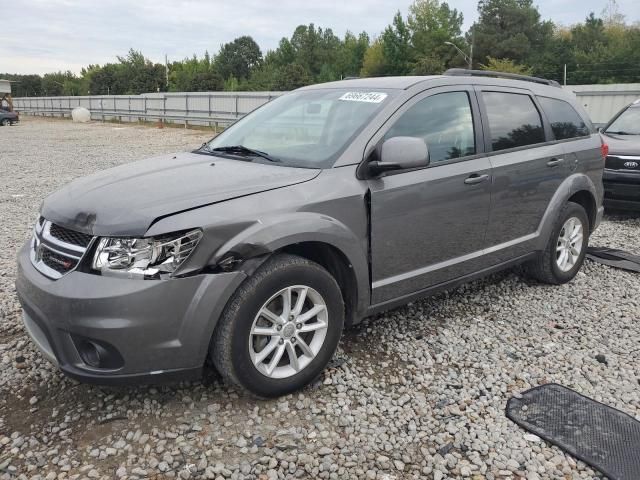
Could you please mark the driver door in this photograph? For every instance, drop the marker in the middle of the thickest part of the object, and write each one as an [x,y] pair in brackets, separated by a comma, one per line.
[428,225]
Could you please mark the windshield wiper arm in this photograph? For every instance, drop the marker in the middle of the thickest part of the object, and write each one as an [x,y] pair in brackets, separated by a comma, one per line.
[241,149]
[619,133]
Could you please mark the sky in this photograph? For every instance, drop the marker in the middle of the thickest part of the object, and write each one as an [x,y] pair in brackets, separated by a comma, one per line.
[40,36]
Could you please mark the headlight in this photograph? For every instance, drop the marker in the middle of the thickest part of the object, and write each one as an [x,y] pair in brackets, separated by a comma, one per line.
[144,257]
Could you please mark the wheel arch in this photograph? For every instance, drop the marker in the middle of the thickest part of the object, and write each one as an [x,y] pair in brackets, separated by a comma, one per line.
[586,200]
[577,188]
[338,265]
[318,238]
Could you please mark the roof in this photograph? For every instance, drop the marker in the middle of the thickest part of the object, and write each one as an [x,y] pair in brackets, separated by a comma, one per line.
[398,83]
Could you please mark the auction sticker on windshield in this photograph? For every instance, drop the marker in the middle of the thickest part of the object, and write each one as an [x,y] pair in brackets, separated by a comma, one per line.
[369,97]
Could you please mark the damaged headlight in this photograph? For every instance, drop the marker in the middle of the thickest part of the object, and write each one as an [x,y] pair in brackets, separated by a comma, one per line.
[144,257]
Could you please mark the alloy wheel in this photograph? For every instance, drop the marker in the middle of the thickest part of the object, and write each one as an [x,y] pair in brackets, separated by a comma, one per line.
[288,331]
[569,244]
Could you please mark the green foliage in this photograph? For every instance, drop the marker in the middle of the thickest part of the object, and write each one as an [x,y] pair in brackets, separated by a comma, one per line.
[432,24]
[238,58]
[291,76]
[374,60]
[505,65]
[509,36]
[509,29]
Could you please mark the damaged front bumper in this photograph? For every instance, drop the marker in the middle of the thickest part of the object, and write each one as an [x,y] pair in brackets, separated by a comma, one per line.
[110,330]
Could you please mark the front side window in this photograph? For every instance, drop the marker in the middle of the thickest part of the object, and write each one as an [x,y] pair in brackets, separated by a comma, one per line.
[514,120]
[565,121]
[308,128]
[627,123]
[445,123]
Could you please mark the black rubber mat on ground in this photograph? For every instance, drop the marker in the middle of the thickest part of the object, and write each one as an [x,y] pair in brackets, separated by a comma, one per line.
[601,436]
[614,258]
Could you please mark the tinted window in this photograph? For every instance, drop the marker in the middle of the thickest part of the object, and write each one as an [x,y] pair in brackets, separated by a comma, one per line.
[445,123]
[565,121]
[514,120]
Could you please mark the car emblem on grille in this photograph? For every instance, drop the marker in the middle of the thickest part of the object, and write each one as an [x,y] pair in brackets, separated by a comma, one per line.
[631,164]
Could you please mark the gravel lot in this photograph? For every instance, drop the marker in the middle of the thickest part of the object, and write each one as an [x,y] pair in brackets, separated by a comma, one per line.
[418,392]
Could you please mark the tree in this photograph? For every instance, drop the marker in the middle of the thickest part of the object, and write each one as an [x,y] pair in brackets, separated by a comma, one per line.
[291,77]
[238,58]
[374,61]
[509,29]
[432,24]
[428,65]
[396,46]
[505,65]
[350,55]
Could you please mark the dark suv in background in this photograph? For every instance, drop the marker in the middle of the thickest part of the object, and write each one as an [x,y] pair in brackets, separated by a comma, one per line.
[8,118]
[622,168]
[323,207]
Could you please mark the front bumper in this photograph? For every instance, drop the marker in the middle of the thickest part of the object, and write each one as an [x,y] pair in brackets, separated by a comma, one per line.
[160,329]
[621,189]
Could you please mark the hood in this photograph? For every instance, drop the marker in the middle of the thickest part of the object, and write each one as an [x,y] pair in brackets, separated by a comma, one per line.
[622,144]
[127,199]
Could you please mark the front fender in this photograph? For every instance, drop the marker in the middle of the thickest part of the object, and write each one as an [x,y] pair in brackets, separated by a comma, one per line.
[274,233]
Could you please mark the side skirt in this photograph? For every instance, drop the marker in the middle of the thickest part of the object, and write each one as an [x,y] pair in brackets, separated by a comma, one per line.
[396,302]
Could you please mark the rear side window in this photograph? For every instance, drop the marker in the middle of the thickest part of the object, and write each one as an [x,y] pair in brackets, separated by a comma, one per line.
[565,121]
[514,120]
[445,123]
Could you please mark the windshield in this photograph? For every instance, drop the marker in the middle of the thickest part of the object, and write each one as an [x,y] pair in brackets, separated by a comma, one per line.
[628,123]
[309,128]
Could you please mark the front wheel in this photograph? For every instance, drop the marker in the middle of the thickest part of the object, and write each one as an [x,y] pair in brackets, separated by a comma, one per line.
[562,258]
[4,122]
[281,327]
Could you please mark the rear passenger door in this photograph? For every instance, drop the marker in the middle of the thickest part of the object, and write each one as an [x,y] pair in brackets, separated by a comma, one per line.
[527,168]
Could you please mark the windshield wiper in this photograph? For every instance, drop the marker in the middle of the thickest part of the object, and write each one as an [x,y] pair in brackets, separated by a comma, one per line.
[242,150]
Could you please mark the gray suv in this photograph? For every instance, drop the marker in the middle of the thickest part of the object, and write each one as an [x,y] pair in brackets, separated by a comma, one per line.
[324,206]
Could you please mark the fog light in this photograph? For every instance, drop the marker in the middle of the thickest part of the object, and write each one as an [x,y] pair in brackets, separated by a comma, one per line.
[98,354]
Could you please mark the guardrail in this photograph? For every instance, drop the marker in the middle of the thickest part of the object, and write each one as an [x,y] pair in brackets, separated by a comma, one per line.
[212,109]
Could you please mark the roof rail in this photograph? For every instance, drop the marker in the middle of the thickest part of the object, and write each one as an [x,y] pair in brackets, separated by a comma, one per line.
[490,73]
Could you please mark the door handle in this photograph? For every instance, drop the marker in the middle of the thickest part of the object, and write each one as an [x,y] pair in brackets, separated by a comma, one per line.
[554,162]
[475,178]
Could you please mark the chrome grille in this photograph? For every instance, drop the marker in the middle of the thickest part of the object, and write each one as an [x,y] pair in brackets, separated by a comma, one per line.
[55,250]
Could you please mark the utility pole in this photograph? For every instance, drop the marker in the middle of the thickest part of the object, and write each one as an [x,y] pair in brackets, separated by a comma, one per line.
[565,75]
[166,71]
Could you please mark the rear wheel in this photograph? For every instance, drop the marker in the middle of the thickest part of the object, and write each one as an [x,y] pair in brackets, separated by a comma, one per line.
[281,327]
[562,258]
[4,122]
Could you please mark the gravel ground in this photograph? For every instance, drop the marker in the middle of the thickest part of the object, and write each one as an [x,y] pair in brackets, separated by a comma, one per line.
[418,392]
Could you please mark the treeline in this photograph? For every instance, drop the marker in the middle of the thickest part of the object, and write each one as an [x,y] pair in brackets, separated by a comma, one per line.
[509,35]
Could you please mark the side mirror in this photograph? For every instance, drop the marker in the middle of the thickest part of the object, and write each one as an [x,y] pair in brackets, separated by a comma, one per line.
[399,153]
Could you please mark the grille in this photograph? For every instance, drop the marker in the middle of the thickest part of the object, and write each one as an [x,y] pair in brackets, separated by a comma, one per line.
[623,162]
[55,250]
[69,236]
[59,263]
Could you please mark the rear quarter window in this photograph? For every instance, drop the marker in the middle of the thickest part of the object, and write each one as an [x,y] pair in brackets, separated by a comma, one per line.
[565,121]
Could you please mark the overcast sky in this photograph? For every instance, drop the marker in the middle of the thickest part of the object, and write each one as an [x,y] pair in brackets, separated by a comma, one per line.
[39,36]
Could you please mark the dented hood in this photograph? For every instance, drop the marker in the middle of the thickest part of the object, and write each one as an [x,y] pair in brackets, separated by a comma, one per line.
[126,200]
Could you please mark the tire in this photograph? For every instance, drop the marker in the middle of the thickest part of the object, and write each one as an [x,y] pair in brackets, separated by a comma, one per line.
[549,266]
[4,122]
[237,353]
